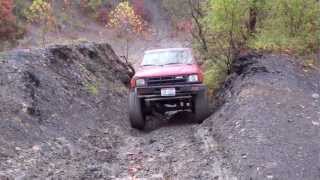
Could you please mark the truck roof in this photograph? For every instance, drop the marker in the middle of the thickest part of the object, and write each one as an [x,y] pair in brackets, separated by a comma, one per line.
[166,49]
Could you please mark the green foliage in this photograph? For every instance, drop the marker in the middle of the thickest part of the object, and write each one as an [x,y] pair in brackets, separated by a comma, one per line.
[230,27]
[282,25]
[178,9]
[214,75]
[20,7]
[226,29]
[292,25]
[93,5]
[92,88]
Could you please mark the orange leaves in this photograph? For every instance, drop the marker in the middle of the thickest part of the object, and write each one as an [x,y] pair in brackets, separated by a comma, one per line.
[125,19]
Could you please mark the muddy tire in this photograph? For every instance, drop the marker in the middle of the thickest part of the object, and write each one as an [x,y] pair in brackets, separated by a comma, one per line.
[136,116]
[201,107]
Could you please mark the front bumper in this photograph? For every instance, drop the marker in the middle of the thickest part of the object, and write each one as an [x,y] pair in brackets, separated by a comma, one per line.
[153,93]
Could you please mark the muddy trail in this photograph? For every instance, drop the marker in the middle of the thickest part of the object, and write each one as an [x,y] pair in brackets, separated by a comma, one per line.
[175,149]
[63,114]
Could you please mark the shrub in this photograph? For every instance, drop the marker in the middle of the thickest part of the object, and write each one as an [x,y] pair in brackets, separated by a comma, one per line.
[127,24]
[91,5]
[291,25]
[92,88]
[214,75]
[103,15]
[8,26]
[125,20]
[41,12]
[20,7]
[140,10]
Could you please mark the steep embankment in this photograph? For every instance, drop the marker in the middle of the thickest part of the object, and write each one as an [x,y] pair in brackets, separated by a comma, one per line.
[268,127]
[60,111]
[63,115]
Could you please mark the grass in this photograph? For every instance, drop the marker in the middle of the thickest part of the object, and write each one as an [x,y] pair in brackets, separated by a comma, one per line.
[92,88]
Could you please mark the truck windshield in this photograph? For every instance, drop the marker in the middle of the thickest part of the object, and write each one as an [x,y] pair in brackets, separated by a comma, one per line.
[161,58]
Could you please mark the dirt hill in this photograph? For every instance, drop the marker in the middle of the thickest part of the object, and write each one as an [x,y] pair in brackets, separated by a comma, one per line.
[60,105]
[268,127]
[63,114]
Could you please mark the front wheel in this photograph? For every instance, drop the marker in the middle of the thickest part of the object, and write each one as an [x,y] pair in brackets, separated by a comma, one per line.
[136,116]
[201,106]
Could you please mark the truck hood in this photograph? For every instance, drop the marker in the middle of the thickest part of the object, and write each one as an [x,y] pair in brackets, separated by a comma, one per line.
[167,70]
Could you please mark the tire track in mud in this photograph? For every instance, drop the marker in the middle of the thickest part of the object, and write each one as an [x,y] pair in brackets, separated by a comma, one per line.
[176,150]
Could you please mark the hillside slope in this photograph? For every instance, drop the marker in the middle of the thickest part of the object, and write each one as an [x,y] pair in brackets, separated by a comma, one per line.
[60,109]
[269,125]
[63,115]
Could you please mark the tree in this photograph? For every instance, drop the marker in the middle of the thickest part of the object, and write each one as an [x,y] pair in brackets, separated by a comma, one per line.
[126,23]
[41,12]
[187,15]
[6,7]
[8,25]
[290,25]
[140,10]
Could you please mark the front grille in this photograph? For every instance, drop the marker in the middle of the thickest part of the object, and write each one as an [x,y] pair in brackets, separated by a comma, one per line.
[167,80]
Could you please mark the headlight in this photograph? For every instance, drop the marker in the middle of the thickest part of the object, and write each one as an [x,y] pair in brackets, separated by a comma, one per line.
[193,78]
[140,82]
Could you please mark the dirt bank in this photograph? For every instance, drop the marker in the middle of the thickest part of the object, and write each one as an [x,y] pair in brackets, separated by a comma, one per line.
[60,110]
[268,127]
[63,114]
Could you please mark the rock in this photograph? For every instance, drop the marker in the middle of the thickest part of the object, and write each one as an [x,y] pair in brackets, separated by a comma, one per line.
[17,148]
[315,123]
[315,96]
[244,156]
[3,177]
[151,141]
[36,148]
[269,176]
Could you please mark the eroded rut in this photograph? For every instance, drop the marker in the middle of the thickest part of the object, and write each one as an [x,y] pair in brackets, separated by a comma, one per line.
[63,116]
[175,149]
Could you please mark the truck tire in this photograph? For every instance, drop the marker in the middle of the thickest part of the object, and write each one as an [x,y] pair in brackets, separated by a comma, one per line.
[201,106]
[136,116]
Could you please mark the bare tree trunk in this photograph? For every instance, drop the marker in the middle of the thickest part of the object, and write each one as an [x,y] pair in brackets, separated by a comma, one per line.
[252,20]
[127,48]
[318,56]
[196,15]
[43,35]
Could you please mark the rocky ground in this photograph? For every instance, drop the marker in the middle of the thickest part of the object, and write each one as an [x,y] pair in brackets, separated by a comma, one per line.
[63,115]
[269,124]
[62,111]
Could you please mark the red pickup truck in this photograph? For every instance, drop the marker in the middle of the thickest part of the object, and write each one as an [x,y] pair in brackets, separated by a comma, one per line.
[167,80]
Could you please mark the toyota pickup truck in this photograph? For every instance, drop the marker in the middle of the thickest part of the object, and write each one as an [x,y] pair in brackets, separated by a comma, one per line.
[167,80]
